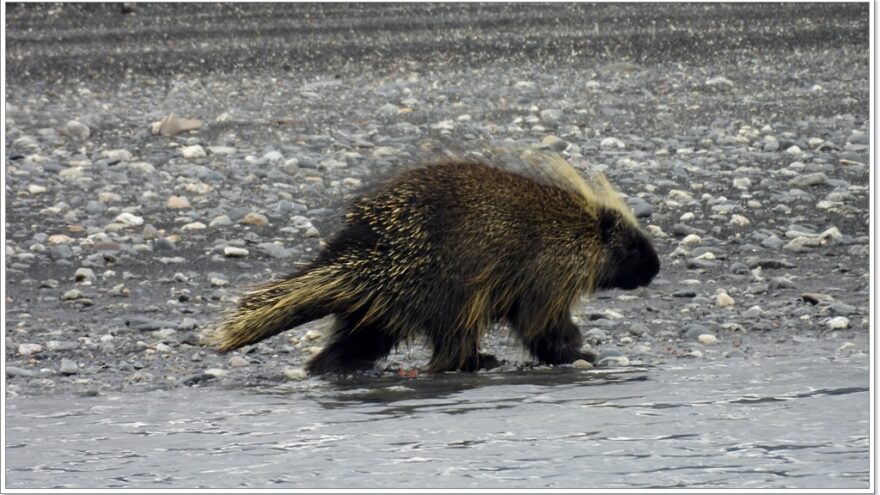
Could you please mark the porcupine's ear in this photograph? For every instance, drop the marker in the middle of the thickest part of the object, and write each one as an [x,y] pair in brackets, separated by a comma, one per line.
[607,221]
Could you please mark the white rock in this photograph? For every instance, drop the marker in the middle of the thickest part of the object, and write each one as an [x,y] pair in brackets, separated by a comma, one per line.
[195,151]
[84,274]
[686,217]
[582,364]
[742,183]
[142,167]
[77,129]
[219,282]
[59,239]
[117,155]
[313,335]
[794,150]
[36,189]
[691,240]
[193,226]
[838,323]
[719,81]
[723,300]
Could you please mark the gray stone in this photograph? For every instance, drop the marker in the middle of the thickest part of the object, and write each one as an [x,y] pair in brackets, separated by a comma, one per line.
[739,268]
[772,242]
[13,371]
[28,349]
[273,250]
[77,130]
[551,115]
[814,179]
[95,207]
[68,367]
[84,274]
[595,336]
[692,331]
[777,283]
[640,207]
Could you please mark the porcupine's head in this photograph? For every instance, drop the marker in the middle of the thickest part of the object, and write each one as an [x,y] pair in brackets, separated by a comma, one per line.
[626,258]
[630,258]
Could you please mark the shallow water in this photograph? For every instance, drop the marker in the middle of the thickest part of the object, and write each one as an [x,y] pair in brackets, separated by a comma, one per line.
[723,424]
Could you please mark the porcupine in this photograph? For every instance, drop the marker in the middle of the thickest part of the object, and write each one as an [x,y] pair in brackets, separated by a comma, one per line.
[444,250]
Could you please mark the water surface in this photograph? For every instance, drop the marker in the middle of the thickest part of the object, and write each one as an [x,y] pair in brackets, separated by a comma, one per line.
[723,424]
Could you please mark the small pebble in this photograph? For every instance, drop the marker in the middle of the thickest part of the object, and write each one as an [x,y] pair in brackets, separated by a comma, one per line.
[295,373]
[238,362]
[216,372]
[77,130]
[129,219]
[740,221]
[194,151]
[707,339]
[28,349]
[235,252]
[177,202]
[254,218]
[612,143]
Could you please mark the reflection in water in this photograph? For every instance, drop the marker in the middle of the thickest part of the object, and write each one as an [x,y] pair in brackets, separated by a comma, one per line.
[711,424]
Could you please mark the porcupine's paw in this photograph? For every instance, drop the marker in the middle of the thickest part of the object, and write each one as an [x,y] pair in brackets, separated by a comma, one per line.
[488,361]
[588,356]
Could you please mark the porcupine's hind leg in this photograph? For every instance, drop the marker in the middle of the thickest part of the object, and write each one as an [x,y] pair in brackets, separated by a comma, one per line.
[352,347]
[556,340]
[461,353]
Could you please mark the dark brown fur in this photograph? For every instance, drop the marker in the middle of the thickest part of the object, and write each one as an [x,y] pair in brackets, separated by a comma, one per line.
[443,251]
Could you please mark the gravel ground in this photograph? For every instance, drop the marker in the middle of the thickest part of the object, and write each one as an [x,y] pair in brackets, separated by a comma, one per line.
[739,133]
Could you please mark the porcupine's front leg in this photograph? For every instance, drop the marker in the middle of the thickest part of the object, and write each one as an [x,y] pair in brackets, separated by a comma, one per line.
[557,341]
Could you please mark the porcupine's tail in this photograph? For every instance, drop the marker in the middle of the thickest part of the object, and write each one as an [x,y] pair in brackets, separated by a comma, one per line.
[274,307]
